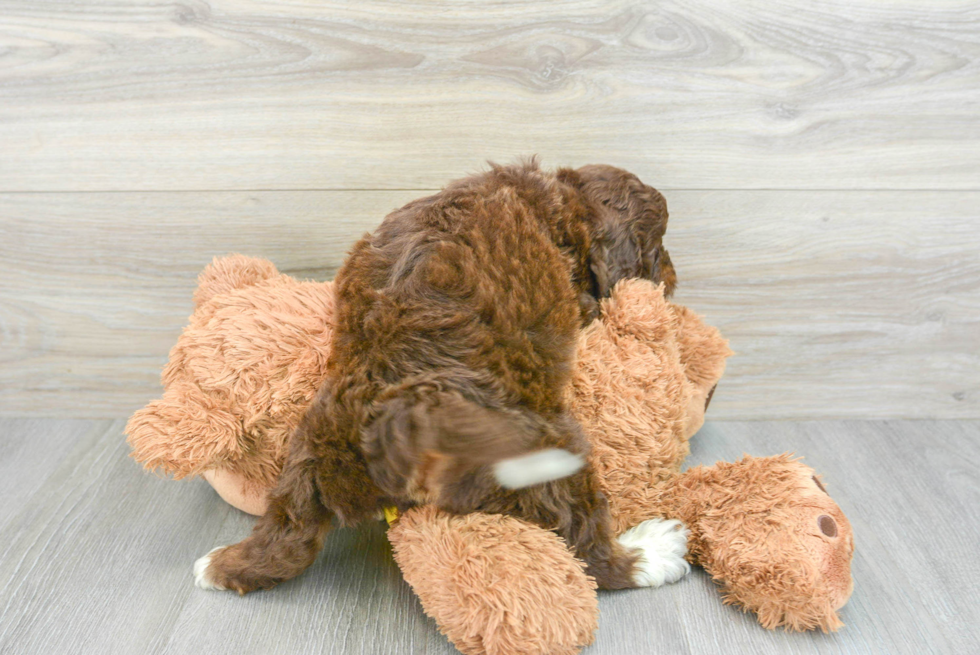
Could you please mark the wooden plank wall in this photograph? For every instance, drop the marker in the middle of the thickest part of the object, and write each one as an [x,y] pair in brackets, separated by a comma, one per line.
[821,161]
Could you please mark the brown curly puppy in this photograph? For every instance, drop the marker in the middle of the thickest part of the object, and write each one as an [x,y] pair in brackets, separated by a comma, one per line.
[455,332]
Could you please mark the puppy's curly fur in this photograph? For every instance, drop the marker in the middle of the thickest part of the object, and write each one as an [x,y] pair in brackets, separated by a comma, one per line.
[455,331]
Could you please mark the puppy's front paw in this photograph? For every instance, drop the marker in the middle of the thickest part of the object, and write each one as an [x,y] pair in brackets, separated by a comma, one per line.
[201,578]
[662,545]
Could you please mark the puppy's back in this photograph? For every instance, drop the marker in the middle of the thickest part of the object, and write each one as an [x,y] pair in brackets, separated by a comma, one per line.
[456,323]
[467,281]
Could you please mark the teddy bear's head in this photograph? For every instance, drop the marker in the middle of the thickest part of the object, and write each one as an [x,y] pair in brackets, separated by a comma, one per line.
[239,378]
[766,529]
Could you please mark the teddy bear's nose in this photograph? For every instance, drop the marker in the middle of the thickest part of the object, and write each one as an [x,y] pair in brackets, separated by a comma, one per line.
[827,525]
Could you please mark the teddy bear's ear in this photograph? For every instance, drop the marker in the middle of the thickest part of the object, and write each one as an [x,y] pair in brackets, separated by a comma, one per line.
[637,307]
[703,350]
[231,272]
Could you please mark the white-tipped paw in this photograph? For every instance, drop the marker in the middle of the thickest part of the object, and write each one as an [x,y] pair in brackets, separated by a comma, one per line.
[662,545]
[201,572]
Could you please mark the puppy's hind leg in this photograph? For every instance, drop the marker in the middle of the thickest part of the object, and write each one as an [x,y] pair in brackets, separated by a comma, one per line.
[649,555]
[284,542]
[288,537]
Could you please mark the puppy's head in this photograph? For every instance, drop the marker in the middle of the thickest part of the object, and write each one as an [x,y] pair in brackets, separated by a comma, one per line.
[629,227]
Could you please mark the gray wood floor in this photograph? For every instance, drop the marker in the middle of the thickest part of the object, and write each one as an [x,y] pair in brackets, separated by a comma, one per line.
[95,555]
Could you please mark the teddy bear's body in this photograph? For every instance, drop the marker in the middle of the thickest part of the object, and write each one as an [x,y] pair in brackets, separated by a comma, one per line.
[253,357]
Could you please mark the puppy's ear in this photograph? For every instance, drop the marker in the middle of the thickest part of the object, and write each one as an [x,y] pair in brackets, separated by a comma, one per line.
[628,224]
[614,255]
[598,254]
[393,444]
[658,267]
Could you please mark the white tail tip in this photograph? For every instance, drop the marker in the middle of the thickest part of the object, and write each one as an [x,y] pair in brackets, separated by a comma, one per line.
[537,467]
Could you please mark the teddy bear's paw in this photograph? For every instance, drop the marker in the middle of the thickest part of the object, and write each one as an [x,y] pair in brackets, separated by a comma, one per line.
[662,545]
[201,572]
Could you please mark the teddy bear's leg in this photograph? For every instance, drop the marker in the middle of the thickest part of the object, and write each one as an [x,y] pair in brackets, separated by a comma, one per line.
[702,349]
[703,352]
[231,272]
[496,585]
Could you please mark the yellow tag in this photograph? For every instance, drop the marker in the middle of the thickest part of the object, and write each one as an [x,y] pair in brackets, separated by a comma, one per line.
[391,514]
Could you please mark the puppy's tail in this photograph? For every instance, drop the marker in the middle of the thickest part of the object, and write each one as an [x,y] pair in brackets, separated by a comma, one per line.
[536,467]
[420,443]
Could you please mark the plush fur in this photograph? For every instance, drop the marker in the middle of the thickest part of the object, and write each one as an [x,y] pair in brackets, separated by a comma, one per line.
[487,578]
[784,554]
[643,374]
[764,528]
[239,379]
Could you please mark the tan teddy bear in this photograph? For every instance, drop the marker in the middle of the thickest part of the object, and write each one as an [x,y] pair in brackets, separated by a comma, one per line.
[255,352]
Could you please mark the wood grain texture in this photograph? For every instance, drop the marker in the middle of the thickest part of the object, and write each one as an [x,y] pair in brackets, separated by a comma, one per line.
[96,556]
[303,94]
[839,304]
